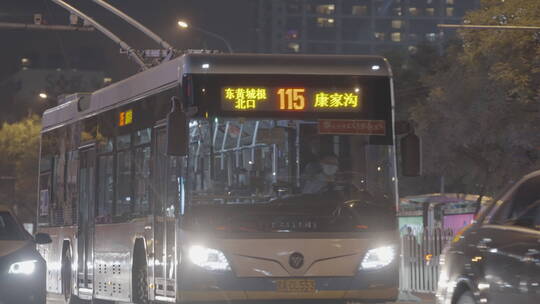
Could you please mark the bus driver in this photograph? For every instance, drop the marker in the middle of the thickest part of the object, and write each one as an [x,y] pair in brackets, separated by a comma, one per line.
[320,176]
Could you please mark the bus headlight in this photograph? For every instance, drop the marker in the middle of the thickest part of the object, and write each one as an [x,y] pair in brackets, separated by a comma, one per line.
[378,258]
[23,267]
[208,258]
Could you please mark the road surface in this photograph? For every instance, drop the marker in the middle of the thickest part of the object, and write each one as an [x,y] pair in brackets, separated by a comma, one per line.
[425,299]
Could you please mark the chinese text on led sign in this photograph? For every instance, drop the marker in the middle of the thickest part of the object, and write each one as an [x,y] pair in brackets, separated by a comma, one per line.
[245,98]
[291,99]
[336,100]
[125,118]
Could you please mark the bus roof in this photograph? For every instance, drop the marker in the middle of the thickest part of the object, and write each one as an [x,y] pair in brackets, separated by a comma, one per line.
[169,74]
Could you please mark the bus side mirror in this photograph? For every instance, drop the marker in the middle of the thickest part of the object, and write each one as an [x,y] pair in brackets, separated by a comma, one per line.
[177,130]
[411,155]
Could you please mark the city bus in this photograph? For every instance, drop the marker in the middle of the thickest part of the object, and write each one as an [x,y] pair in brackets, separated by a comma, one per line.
[224,177]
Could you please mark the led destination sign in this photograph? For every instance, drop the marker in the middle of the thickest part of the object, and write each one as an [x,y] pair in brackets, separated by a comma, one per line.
[292,99]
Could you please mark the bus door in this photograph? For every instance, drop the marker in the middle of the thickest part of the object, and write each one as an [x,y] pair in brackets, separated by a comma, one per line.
[85,233]
[165,221]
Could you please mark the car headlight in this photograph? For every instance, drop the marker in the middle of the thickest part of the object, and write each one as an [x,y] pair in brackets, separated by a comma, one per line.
[24,267]
[378,258]
[208,258]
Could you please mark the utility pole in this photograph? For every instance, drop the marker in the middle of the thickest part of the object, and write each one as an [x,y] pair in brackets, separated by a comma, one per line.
[32,26]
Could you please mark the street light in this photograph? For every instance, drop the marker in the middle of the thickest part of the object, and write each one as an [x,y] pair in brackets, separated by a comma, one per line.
[184,25]
[43,95]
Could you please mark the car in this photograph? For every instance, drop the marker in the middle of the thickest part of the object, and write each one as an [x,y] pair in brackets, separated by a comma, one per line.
[22,269]
[496,259]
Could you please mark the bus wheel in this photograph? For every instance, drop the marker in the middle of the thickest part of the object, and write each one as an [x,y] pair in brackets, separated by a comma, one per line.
[66,280]
[140,284]
[466,298]
[66,276]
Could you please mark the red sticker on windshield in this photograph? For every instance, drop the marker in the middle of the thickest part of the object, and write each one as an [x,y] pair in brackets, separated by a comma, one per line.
[358,127]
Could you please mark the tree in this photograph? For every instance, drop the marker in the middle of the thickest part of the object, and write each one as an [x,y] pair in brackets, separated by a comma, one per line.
[479,123]
[19,150]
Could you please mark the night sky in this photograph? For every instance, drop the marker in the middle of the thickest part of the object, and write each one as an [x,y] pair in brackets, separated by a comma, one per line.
[232,19]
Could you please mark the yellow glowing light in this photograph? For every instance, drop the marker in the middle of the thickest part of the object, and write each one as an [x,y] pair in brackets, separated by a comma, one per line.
[122,119]
[292,98]
[129,117]
[125,118]
[245,98]
[336,100]
[476,259]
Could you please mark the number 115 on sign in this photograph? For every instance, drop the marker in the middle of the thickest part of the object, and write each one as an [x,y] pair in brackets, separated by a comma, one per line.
[292,99]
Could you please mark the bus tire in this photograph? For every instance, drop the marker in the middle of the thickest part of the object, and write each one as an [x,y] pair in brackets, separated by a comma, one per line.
[466,297]
[69,297]
[139,276]
[66,273]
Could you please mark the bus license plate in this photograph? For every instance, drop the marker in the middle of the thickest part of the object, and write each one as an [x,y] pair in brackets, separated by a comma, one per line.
[295,285]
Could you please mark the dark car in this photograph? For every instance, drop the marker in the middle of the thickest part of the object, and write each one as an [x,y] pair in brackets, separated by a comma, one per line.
[496,260]
[22,269]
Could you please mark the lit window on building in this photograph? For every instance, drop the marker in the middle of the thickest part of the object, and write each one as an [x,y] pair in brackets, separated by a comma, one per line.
[449,11]
[359,10]
[325,22]
[430,11]
[294,46]
[413,11]
[397,11]
[431,37]
[326,9]
[429,1]
[379,36]
[412,49]
[397,24]
[450,2]
[396,37]
[292,34]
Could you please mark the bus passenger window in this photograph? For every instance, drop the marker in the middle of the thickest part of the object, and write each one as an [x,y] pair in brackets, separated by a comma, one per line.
[46,178]
[72,190]
[123,183]
[142,180]
[105,189]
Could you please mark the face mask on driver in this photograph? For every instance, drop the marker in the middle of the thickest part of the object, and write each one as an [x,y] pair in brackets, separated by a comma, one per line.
[329,169]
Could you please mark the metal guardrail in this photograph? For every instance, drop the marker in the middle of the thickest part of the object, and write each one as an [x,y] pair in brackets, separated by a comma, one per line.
[420,253]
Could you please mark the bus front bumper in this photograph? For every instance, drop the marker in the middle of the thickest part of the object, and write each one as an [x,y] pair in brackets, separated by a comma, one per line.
[375,286]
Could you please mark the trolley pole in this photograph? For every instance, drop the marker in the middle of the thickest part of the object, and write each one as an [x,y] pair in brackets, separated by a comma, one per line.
[132,53]
[162,43]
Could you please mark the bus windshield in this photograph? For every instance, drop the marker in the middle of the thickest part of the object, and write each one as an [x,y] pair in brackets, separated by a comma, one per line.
[284,168]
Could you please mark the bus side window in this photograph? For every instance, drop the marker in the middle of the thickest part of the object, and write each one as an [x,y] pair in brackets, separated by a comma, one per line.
[122,210]
[142,155]
[72,191]
[105,189]
[58,199]
[45,178]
